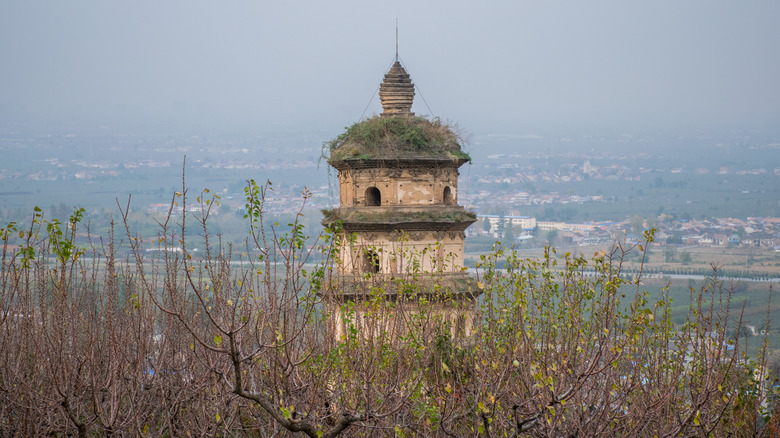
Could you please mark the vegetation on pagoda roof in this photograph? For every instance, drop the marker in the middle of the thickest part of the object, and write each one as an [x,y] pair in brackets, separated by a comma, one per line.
[399,137]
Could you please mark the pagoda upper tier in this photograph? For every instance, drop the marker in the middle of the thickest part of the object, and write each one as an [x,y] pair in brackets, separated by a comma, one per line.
[396,92]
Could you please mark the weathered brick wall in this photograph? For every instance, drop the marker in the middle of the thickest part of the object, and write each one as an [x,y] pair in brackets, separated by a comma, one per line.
[399,186]
[402,253]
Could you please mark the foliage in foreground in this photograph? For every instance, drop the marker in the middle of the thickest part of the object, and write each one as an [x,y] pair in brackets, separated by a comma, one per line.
[237,342]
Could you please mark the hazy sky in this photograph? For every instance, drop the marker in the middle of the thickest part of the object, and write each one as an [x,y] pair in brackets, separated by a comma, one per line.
[489,65]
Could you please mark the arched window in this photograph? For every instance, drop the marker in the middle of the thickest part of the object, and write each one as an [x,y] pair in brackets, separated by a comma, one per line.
[448,196]
[373,197]
[371,262]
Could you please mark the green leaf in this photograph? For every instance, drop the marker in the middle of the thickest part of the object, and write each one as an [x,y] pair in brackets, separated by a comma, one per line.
[218,340]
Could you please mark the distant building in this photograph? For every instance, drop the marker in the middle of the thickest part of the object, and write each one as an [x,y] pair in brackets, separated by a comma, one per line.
[517,222]
[564,226]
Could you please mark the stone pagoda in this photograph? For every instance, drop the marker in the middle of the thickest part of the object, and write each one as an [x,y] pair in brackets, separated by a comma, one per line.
[401,225]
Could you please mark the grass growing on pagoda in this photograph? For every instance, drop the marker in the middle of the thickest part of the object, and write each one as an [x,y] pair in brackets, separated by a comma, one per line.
[391,216]
[396,137]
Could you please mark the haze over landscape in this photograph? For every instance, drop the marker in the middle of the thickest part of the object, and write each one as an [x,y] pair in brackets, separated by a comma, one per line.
[585,218]
[491,66]
[572,111]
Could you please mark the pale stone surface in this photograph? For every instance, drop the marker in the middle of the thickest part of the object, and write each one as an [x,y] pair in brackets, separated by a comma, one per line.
[396,321]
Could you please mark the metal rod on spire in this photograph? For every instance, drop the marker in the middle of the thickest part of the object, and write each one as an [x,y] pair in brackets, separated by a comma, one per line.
[396,40]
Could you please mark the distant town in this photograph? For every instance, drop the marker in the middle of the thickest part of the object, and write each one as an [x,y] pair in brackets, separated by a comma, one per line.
[702,190]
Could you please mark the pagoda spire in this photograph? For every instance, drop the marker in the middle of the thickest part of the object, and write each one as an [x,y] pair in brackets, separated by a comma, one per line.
[396,92]
[396,40]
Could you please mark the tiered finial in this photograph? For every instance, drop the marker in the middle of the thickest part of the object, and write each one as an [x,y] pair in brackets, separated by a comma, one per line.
[396,92]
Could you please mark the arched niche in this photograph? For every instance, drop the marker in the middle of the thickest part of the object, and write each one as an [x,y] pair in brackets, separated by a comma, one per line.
[373,197]
[447,197]
[371,262]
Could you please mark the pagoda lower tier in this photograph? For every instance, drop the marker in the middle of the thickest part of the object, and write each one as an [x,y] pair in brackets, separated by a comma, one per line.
[401,240]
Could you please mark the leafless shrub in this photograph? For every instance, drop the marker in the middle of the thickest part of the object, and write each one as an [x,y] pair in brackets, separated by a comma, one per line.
[237,341]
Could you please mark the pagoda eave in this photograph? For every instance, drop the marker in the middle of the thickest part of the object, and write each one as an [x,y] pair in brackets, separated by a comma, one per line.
[407,218]
[407,162]
[441,287]
[404,226]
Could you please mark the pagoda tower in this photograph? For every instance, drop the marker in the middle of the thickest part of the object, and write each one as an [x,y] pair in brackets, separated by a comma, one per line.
[401,226]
